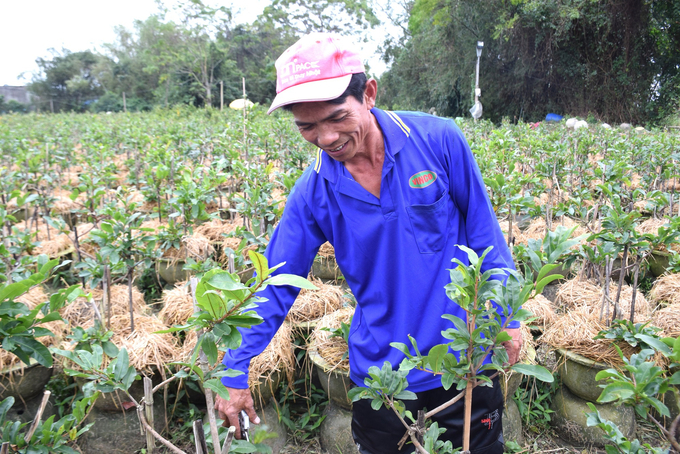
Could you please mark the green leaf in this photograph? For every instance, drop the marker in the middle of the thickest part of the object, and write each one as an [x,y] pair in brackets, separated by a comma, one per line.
[435,357]
[223,280]
[216,385]
[11,291]
[35,349]
[534,370]
[121,365]
[105,226]
[209,347]
[292,280]
[675,379]
[260,264]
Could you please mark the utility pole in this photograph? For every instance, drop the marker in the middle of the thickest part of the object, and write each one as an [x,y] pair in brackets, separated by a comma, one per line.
[476,110]
[221,95]
[124,103]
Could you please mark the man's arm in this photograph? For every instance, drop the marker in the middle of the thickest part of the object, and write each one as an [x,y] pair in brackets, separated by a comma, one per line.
[295,241]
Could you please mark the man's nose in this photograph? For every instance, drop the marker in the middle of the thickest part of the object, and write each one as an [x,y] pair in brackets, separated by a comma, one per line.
[328,137]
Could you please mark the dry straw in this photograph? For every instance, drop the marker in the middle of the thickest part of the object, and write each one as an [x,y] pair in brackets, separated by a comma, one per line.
[333,349]
[326,249]
[81,313]
[542,308]
[537,229]
[178,305]
[147,348]
[668,319]
[586,295]
[575,330]
[313,304]
[51,243]
[216,229]
[666,289]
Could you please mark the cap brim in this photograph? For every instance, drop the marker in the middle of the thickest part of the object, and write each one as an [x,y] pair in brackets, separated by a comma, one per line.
[318,90]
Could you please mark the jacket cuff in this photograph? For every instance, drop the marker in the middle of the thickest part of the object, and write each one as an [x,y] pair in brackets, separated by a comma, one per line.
[241,381]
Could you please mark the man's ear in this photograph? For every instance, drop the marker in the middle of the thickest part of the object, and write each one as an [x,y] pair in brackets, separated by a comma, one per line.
[371,93]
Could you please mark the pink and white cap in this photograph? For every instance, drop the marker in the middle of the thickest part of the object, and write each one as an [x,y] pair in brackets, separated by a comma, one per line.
[316,68]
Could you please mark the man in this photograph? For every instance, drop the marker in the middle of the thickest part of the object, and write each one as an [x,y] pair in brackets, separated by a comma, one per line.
[394,193]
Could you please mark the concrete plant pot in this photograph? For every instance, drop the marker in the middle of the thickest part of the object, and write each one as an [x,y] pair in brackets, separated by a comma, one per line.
[334,381]
[578,374]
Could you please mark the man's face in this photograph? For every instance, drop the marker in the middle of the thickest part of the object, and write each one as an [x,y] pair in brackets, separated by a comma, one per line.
[341,130]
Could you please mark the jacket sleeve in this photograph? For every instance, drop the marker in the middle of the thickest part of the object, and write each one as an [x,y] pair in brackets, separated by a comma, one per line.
[468,192]
[295,241]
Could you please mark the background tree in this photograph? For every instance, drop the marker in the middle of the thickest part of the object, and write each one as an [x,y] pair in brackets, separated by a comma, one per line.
[67,80]
[616,60]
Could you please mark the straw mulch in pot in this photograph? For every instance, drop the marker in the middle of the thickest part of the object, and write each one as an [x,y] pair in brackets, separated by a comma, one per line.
[147,349]
[332,349]
[537,229]
[81,313]
[50,244]
[586,295]
[216,229]
[313,304]
[63,203]
[666,289]
[178,305]
[277,358]
[542,308]
[194,246]
[668,319]
[516,232]
[575,331]
[326,249]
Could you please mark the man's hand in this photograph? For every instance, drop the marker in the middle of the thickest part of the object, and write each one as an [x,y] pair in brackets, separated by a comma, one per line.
[513,346]
[239,399]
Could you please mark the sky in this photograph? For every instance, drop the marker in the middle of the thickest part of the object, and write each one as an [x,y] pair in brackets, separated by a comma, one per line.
[30,28]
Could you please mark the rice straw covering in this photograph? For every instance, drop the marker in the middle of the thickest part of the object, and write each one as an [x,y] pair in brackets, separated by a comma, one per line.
[178,305]
[542,308]
[145,347]
[312,304]
[81,313]
[216,229]
[575,331]
[57,242]
[516,232]
[326,249]
[332,349]
[537,229]
[278,357]
[666,290]
[668,319]
[586,296]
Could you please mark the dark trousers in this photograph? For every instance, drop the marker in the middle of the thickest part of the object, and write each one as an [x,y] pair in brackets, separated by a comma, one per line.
[379,432]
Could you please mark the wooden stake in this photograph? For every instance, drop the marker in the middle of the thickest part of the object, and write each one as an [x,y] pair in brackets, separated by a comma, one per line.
[5,448]
[38,416]
[199,436]
[245,108]
[106,294]
[229,440]
[148,412]
[221,95]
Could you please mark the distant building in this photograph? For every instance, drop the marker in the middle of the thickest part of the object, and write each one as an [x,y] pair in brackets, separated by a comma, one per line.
[18,94]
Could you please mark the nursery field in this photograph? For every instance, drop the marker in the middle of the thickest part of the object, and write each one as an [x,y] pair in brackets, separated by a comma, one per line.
[131,253]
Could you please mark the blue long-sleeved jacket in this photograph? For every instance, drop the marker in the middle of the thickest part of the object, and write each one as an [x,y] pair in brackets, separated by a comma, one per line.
[394,251]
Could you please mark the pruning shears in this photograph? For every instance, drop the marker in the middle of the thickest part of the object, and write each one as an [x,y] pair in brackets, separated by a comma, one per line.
[244,422]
